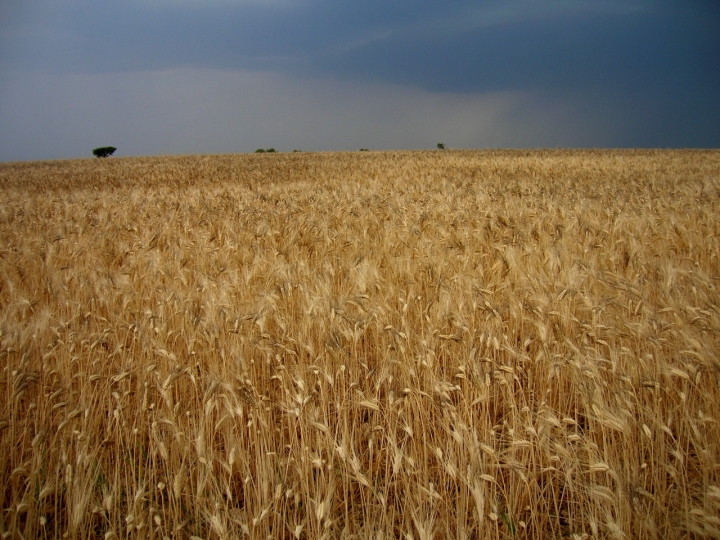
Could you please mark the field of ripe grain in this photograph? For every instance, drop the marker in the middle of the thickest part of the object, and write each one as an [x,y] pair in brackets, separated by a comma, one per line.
[455,344]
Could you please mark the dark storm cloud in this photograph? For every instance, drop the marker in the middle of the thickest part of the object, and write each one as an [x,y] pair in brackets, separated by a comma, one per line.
[447,46]
[614,73]
[110,36]
[622,50]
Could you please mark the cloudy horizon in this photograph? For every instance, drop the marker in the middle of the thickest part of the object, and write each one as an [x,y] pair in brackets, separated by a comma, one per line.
[225,76]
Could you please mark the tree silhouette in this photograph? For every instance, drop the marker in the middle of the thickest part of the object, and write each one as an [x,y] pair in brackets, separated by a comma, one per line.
[104,151]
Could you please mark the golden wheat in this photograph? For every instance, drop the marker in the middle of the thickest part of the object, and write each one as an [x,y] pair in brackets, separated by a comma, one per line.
[371,345]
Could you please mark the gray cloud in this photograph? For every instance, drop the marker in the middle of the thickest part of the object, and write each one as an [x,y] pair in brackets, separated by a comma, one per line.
[557,73]
[213,111]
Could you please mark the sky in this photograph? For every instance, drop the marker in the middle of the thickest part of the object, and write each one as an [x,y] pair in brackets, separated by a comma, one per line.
[154,77]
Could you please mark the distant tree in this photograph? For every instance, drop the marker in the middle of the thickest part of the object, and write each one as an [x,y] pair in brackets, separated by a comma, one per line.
[440,146]
[271,150]
[104,151]
[364,150]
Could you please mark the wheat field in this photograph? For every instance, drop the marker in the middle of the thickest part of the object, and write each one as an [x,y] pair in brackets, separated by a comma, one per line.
[415,345]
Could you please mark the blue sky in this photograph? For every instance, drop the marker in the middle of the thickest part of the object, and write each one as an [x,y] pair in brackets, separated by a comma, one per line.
[221,76]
